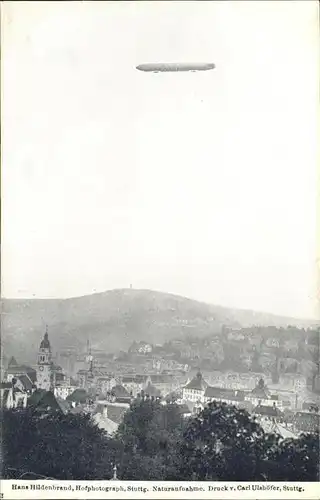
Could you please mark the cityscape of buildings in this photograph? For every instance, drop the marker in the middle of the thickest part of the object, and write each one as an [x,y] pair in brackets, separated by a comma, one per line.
[105,388]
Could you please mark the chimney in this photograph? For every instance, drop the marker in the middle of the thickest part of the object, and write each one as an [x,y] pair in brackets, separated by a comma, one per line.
[105,411]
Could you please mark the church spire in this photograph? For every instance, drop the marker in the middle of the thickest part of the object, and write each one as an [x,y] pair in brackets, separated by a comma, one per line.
[45,344]
[44,365]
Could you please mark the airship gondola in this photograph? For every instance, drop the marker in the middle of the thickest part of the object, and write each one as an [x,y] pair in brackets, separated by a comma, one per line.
[174,67]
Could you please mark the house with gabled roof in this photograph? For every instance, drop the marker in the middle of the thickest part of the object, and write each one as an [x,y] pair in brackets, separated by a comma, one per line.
[12,396]
[15,371]
[25,384]
[114,411]
[105,423]
[260,395]
[165,383]
[44,401]
[78,397]
[195,389]
[135,383]
[283,431]
[64,405]
[267,411]
[105,383]
[120,394]
[64,386]
[101,417]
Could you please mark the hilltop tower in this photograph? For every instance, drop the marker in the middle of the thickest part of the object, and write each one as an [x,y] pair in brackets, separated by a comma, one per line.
[44,364]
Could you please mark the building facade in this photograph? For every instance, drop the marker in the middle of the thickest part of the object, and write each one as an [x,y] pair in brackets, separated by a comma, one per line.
[194,391]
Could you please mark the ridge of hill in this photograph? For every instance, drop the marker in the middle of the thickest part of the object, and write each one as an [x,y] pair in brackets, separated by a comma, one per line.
[112,320]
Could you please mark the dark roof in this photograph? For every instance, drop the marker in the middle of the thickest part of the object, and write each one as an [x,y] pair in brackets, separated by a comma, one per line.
[32,376]
[45,344]
[26,382]
[56,368]
[221,393]
[78,396]
[20,369]
[269,411]
[129,380]
[116,413]
[36,397]
[78,409]
[44,400]
[197,383]
[5,385]
[140,379]
[259,392]
[119,391]
[64,405]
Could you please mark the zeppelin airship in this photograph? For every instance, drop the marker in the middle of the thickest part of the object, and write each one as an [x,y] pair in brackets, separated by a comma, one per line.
[173,67]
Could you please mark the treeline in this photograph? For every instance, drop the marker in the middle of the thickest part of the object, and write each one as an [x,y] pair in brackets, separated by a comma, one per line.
[154,442]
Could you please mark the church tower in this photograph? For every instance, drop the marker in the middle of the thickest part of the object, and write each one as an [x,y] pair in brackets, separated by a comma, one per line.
[44,365]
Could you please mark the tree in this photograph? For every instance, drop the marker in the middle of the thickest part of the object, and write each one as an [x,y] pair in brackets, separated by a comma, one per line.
[154,442]
[292,459]
[222,443]
[150,436]
[55,445]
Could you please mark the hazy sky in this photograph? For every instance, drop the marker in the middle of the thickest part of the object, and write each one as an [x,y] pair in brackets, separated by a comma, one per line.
[199,184]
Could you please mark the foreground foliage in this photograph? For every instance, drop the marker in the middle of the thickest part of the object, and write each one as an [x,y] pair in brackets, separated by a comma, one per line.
[222,443]
[150,435]
[154,442]
[55,445]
